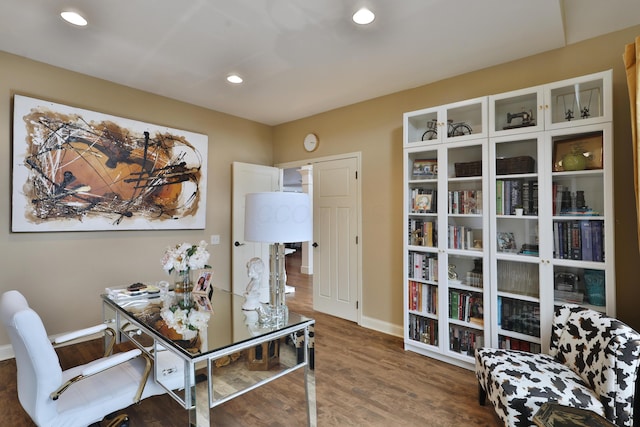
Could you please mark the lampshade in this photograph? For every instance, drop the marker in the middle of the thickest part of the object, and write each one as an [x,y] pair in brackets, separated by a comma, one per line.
[277,217]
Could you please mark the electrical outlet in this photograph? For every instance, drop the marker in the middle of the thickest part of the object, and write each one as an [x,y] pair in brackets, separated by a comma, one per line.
[215,239]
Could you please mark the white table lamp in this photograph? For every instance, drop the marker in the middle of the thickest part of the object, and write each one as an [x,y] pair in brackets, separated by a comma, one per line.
[277,218]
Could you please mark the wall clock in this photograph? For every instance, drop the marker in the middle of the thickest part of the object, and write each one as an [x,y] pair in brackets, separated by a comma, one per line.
[311,142]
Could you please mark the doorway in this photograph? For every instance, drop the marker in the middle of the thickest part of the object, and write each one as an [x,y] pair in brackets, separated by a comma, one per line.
[337,252]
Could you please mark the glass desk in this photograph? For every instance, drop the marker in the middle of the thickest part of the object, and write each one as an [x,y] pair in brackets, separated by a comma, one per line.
[229,356]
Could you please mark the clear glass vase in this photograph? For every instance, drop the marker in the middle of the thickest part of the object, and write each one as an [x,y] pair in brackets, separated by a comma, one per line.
[183,281]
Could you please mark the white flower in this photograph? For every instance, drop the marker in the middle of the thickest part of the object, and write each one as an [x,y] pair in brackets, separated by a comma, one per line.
[183,320]
[185,256]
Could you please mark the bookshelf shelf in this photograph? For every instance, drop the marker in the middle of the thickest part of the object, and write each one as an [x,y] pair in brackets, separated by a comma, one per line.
[495,207]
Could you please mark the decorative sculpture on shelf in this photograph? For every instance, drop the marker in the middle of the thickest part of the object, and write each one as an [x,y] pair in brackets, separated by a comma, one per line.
[255,268]
[526,117]
[453,275]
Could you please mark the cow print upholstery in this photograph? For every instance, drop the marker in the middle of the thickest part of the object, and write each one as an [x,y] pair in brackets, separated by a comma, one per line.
[592,364]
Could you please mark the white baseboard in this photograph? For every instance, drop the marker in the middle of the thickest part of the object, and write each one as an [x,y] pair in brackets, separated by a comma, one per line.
[384,327]
[6,352]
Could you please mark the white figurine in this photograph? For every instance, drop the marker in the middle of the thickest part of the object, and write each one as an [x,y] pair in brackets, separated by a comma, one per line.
[255,268]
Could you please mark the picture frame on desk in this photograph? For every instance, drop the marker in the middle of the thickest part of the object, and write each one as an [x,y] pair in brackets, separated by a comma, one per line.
[204,281]
[589,146]
[203,302]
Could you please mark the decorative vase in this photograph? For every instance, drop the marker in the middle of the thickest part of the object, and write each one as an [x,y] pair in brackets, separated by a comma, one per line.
[183,282]
[574,162]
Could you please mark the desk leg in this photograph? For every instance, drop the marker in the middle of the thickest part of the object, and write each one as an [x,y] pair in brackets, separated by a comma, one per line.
[200,412]
[310,380]
[305,344]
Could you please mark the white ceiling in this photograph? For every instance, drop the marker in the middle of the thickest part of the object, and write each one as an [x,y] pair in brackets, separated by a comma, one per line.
[298,57]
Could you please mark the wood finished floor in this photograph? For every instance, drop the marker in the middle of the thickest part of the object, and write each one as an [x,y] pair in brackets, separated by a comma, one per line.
[363,378]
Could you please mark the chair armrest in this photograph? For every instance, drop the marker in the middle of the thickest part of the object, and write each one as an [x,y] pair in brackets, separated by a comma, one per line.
[110,362]
[88,332]
[79,333]
[96,368]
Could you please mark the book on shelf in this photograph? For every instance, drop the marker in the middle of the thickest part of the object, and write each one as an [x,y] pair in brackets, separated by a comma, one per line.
[423,329]
[512,193]
[466,306]
[422,232]
[465,341]
[578,240]
[519,316]
[465,202]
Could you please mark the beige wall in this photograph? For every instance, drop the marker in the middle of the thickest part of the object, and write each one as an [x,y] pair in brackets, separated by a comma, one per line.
[375,128]
[62,274]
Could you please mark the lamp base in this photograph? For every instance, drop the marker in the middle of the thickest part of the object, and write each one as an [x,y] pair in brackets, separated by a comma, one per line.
[279,313]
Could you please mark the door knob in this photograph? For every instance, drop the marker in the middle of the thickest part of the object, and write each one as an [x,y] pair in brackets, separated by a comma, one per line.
[236,243]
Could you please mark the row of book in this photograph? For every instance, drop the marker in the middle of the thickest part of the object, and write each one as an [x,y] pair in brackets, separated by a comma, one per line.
[509,343]
[465,202]
[423,266]
[423,329]
[462,237]
[423,232]
[579,240]
[512,193]
[463,340]
[423,297]
[466,306]
[519,316]
[474,279]
[424,200]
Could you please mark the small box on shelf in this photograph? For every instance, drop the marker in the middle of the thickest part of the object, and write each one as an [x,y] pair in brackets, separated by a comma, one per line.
[468,169]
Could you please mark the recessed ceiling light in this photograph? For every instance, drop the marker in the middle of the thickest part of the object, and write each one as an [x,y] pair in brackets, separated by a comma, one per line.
[363,16]
[234,78]
[74,18]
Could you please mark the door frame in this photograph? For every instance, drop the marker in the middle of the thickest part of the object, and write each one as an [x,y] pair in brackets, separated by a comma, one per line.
[358,156]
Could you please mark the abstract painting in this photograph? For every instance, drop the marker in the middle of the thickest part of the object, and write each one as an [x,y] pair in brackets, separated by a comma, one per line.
[80,170]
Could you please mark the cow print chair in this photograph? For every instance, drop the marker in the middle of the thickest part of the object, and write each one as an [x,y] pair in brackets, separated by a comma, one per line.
[592,364]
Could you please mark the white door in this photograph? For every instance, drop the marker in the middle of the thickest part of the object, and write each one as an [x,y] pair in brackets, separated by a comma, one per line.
[335,231]
[249,178]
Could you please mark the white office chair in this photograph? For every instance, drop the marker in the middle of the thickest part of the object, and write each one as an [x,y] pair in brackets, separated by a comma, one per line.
[78,396]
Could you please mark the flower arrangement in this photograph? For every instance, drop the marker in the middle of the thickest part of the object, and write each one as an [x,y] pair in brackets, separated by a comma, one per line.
[185,256]
[182,315]
[184,319]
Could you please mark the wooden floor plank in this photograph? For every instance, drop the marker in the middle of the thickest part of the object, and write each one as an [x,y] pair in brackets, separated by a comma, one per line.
[363,378]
